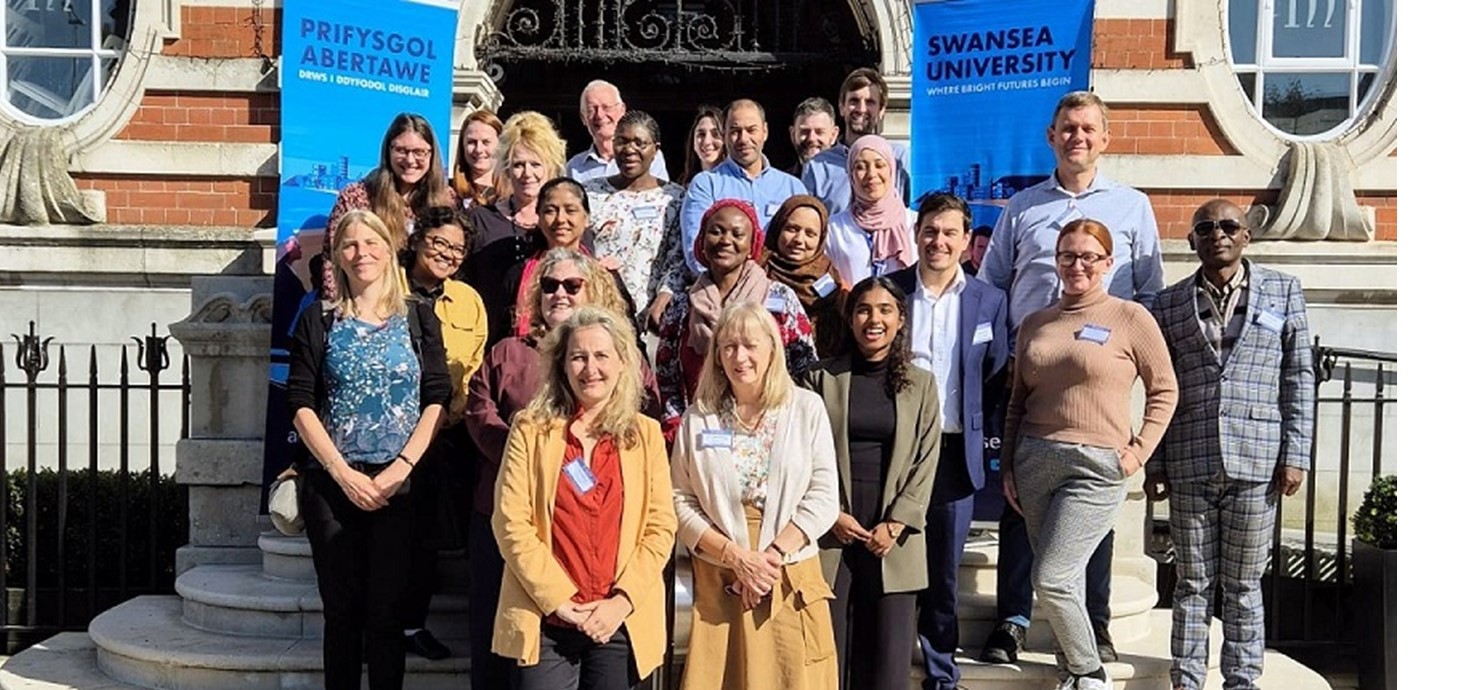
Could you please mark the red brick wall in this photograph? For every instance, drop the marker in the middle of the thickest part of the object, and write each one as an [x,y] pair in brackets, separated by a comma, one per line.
[1175,129]
[1174,208]
[224,32]
[152,200]
[199,116]
[1135,44]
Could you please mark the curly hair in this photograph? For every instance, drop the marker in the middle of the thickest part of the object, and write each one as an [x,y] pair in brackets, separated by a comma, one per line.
[433,218]
[555,399]
[535,132]
[899,358]
[599,289]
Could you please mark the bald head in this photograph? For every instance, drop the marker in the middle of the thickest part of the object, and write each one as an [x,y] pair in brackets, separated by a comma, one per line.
[1216,209]
[1218,235]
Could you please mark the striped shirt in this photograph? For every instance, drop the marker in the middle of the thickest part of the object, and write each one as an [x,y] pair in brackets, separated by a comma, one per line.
[1222,309]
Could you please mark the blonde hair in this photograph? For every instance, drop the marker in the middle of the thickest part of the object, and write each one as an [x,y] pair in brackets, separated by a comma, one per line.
[599,290]
[555,400]
[393,300]
[744,321]
[535,132]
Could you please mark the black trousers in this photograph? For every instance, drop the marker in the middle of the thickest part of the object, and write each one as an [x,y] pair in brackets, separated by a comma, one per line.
[362,562]
[875,632]
[488,671]
[570,660]
[442,484]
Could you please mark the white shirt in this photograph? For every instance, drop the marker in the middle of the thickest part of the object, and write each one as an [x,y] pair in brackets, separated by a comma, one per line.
[849,248]
[936,345]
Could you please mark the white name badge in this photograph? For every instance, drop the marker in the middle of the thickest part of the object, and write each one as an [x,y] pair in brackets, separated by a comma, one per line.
[645,212]
[716,438]
[824,285]
[775,304]
[1270,321]
[580,475]
[770,209]
[984,333]
[1095,334]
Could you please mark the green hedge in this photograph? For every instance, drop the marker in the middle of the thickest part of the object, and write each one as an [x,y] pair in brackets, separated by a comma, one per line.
[105,492]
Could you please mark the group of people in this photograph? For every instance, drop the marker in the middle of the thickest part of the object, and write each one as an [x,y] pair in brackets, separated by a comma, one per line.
[810,425]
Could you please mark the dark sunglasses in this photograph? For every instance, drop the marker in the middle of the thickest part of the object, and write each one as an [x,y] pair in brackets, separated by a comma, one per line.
[1205,228]
[550,285]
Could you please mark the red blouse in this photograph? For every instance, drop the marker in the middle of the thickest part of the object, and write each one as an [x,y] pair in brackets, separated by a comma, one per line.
[586,527]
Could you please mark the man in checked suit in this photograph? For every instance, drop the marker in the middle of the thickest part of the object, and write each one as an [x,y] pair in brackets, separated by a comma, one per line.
[958,334]
[1241,435]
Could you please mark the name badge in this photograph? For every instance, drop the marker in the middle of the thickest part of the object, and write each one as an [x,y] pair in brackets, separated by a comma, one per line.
[775,304]
[824,285]
[770,209]
[984,333]
[1270,321]
[645,212]
[716,438]
[580,476]
[1071,213]
[1095,334]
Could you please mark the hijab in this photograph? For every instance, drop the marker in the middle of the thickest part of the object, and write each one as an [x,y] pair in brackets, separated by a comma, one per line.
[886,219]
[705,300]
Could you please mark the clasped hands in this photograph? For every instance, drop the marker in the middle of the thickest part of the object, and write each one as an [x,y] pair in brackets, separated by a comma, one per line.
[879,540]
[369,493]
[756,573]
[597,619]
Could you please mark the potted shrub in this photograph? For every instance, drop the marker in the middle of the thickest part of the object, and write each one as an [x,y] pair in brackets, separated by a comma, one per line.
[1376,582]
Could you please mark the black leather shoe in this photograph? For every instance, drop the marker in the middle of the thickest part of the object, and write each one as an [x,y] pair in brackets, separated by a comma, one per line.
[424,644]
[1004,645]
[1104,645]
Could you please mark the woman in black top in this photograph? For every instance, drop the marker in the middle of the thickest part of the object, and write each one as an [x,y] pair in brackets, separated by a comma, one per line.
[874,555]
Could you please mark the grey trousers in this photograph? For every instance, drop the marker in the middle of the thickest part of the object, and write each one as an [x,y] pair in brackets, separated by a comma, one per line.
[1071,495]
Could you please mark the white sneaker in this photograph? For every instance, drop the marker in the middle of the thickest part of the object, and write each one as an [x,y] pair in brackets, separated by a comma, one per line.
[1088,683]
[1066,683]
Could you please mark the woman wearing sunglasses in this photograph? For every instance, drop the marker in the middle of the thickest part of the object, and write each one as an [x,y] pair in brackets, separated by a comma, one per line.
[564,280]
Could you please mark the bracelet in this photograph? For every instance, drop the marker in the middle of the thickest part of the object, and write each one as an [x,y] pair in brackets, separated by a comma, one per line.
[777,548]
[402,457]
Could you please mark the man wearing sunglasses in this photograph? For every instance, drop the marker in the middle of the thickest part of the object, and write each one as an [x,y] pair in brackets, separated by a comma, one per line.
[1020,261]
[1242,434]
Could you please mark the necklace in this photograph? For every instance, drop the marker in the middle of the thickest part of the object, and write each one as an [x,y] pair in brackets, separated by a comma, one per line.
[753,424]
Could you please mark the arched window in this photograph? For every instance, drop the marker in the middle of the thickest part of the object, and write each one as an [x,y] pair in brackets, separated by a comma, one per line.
[58,54]
[1310,67]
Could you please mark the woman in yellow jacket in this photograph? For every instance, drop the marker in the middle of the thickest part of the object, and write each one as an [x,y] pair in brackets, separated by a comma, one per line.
[584,518]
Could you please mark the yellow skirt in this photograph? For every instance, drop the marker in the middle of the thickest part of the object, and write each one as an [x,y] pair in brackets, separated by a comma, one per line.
[785,642]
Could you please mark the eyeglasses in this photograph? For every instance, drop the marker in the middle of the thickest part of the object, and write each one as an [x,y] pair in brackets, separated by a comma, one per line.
[403,152]
[1068,259]
[441,246]
[636,144]
[1205,228]
[550,286]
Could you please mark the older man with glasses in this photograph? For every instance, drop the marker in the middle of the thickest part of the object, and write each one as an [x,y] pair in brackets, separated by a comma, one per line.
[600,106]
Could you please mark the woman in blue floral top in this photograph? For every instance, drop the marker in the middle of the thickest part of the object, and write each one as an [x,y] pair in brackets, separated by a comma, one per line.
[367,387]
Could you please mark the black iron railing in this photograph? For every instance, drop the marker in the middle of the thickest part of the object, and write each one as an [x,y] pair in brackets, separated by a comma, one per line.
[76,540]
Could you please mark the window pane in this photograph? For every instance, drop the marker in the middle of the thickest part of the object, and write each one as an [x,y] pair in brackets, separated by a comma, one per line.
[1366,82]
[1305,104]
[1375,29]
[1242,30]
[1309,28]
[48,23]
[48,87]
[1248,82]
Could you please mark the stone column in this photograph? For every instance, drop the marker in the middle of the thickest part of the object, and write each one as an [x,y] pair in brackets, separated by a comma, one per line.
[221,462]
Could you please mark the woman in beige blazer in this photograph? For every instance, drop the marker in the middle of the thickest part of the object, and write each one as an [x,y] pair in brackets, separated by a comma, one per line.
[754,472]
[887,455]
[584,469]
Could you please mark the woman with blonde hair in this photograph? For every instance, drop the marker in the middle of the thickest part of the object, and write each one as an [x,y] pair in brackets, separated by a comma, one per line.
[367,387]
[408,180]
[476,180]
[583,471]
[754,471]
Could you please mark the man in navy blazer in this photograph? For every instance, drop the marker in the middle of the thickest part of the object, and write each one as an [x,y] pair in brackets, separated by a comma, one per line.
[1241,435]
[959,334]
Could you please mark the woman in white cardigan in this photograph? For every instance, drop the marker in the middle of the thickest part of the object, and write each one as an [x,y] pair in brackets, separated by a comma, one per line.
[754,473]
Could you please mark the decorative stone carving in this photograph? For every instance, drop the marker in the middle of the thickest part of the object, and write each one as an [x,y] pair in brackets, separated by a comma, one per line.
[1317,201]
[37,189]
[226,307]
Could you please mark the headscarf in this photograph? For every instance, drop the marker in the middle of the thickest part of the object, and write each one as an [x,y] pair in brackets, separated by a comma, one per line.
[801,276]
[705,300]
[885,219]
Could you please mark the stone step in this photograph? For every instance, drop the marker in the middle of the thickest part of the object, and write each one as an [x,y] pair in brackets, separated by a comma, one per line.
[1130,599]
[289,558]
[145,642]
[242,600]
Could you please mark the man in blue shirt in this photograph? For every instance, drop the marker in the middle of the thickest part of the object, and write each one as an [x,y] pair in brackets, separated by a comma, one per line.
[600,107]
[1020,261]
[745,175]
[863,102]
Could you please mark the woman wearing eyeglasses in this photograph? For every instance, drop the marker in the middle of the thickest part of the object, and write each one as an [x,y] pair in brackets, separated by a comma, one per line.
[432,257]
[1068,436]
[409,179]
[564,280]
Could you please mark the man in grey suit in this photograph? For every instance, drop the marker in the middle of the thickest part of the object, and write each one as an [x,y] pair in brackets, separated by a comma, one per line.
[1241,435]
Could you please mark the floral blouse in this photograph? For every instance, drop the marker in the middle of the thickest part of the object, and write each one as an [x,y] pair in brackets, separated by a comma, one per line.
[373,385]
[678,365]
[751,451]
[641,230]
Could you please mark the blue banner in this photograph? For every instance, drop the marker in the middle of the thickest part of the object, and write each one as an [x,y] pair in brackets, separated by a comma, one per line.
[348,68]
[987,75]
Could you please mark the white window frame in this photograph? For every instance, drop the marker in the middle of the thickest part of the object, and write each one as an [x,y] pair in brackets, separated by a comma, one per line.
[95,52]
[1350,64]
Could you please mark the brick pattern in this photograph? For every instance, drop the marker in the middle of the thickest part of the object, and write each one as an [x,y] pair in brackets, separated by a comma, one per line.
[1136,44]
[219,32]
[1176,129]
[198,116]
[215,201]
[1174,208]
